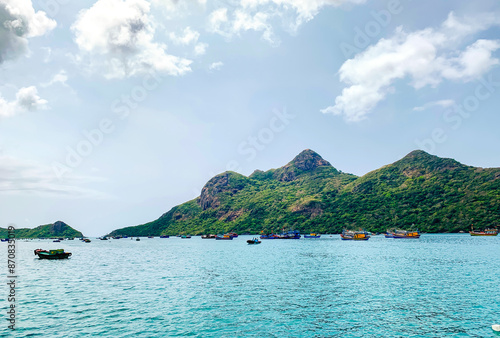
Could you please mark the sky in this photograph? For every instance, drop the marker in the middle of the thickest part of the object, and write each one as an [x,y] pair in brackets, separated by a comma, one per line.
[114,111]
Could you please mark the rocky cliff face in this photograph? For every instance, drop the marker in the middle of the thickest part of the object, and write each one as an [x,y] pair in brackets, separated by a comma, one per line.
[229,183]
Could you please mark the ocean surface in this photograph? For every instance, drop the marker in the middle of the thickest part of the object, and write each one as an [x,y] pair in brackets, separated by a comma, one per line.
[437,286]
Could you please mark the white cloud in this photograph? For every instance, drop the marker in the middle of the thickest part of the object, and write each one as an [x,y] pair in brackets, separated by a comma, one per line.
[440,103]
[426,57]
[121,45]
[20,22]
[216,65]
[257,15]
[188,36]
[200,48]
[18,176]
[27,99]
[60,77]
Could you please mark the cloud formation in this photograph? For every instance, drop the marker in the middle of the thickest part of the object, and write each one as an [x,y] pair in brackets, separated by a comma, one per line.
[257,15]
[427,57]
[27,99]
[18,176]
[121,45]
[19,23]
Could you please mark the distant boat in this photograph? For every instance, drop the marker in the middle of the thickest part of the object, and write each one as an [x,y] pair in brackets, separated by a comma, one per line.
[86,240]
[254,241]
[234,234]
[291,234]
[312,235]
[56,241]
[103,239]
[226,237]
[349,235]
[4,240]
[485,232]
[268,236]
[397,233]
[52,254]
[137,239]
[151,237]
[208,236]
[186,236]
[164,236]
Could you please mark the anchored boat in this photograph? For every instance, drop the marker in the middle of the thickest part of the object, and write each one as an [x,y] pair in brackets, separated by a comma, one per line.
[485,232]
[349,235]
[52,254]
[313,235]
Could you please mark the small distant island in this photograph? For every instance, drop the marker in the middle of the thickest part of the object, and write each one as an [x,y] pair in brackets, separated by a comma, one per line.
[420,191]
[53,230]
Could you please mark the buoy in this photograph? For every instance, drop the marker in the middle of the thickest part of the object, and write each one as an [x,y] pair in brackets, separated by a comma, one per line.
[495,327]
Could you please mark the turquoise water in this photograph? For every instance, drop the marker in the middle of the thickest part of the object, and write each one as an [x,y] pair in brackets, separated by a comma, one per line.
[436,286]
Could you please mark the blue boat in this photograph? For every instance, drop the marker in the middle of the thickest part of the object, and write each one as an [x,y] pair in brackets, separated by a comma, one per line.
[291,234]
[269,236]
[254,241]
[164,236]
[313,235]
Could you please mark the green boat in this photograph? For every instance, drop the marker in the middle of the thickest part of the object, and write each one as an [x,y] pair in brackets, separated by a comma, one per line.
[52,254]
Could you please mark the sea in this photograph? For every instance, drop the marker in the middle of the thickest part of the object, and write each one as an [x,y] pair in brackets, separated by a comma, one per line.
[441,285]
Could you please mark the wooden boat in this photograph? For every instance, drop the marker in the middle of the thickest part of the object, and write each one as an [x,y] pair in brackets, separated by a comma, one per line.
[349,235]
[225,237]
[291,234]
[254,241]
[398,233]
[268,236]
[406,234]
[312,235]
[52,254]
[485,232]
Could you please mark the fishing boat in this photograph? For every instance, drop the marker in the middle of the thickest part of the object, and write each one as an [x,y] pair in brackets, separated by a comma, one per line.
[485,232]
[52,254]
[208,236]
[254,241]
[164,236]
[226,237]
[349,235]
[234,234]
[312,235]
[185,236]
[268,236]
[291,234]
[86,240]
[404,234]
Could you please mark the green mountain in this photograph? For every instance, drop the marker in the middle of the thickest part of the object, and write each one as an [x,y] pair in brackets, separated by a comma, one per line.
[419,191]
[55,230]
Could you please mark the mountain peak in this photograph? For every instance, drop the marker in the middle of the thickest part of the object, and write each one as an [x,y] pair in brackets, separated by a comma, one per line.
[308,160]
[419,162]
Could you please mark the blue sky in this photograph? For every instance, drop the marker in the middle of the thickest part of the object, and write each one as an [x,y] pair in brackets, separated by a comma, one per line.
[113,111]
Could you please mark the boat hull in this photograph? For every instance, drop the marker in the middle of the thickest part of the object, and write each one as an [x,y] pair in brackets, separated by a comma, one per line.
[43,254]
[311,236]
